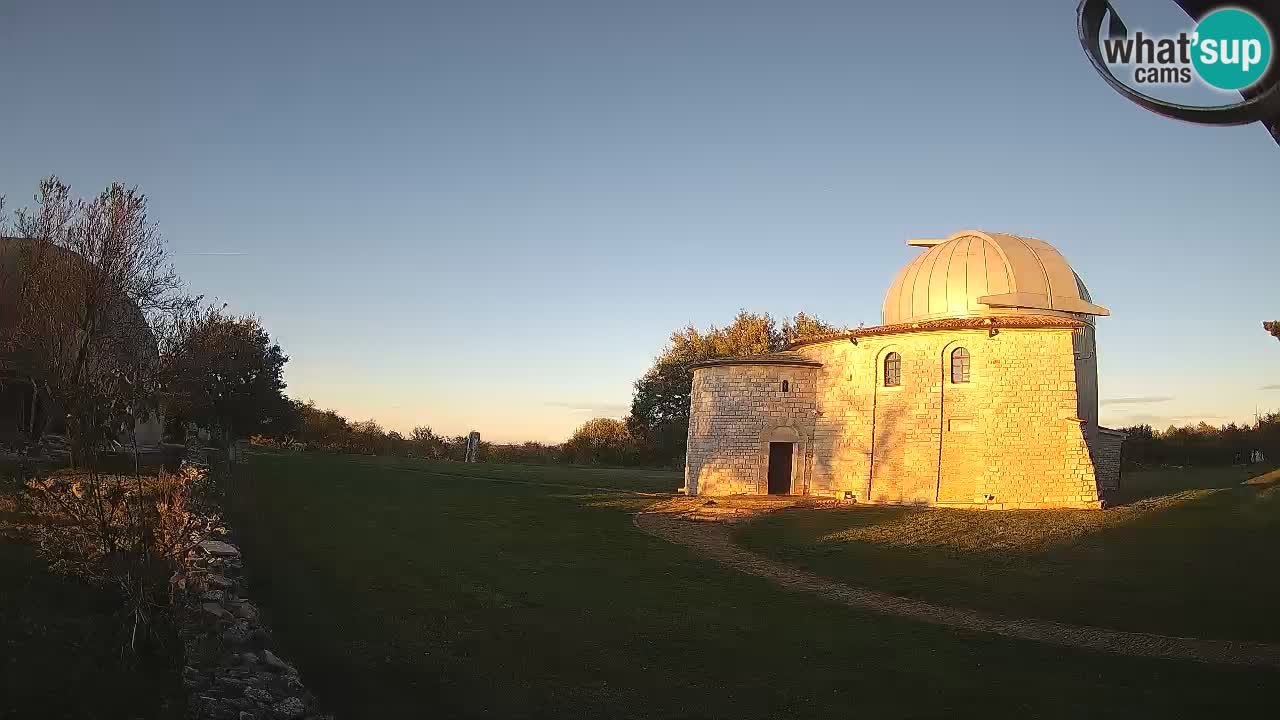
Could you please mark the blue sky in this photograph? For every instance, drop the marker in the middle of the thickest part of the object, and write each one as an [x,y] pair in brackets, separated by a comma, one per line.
[490,215]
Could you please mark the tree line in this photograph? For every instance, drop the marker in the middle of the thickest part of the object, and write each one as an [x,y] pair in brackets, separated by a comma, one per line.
[304,426]
[1202,444]
[653,434]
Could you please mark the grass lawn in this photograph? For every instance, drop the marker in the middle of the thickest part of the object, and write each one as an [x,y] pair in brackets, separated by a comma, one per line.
[639,480]
[405,593]
[1193,554]
[60,647]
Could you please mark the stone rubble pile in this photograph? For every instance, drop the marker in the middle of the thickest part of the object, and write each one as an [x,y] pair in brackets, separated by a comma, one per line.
[230,670]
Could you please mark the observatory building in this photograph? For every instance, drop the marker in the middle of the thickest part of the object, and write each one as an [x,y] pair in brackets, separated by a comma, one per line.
[980,389]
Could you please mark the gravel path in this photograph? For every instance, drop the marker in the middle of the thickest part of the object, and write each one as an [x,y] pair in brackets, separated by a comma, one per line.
[713,539]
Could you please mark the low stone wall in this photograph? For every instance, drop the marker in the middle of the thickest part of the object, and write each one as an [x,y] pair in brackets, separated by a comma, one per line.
[231,671]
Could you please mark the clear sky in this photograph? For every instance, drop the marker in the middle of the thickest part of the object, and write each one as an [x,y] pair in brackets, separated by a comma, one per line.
[490,215]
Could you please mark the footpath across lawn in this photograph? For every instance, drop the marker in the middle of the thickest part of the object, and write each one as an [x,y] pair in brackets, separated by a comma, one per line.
[1194,554]
[404,590]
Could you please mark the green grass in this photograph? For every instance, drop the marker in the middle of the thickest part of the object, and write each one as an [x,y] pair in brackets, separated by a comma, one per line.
[60,649]
[405,593]
[581,477]
[1194,554]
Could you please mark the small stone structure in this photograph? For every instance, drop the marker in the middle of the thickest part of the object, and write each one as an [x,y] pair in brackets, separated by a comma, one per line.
[231,672]
[979,390]
[472,448]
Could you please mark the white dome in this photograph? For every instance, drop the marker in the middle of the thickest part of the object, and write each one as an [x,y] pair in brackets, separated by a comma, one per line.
[980,273]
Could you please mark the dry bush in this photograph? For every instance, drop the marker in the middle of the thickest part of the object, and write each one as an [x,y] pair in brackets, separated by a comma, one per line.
[184,513]
[126,533]
[89,519]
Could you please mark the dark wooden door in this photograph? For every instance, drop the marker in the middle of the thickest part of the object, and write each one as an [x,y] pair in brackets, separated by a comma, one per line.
[780,468]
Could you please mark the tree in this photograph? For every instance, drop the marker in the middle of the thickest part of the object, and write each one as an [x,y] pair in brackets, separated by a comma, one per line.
[426,443]
[367,438]
[324,429]
[600,441]
[1272,327]
[93,285]
[87,289]
[804,326]
[530,452]
[225,372]
[659,418]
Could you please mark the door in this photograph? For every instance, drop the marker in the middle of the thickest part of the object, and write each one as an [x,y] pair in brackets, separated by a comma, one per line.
[780,468]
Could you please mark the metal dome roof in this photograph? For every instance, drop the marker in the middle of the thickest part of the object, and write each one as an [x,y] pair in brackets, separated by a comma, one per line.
[981,273]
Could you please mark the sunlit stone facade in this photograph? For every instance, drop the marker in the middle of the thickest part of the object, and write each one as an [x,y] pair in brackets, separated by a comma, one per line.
[979,391]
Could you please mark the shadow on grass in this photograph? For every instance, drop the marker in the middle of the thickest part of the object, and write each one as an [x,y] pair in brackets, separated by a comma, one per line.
[408,594]
[62,645]
[1138,485]
[1192,561]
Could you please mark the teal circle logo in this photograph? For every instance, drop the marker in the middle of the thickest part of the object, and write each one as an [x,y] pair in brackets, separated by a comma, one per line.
[1232,49]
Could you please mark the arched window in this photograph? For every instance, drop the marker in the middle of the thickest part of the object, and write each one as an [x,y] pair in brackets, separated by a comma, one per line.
[786,386]
[959,365]
[892,370]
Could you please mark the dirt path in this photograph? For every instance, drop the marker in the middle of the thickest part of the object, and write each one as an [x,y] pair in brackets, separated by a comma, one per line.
[714,540]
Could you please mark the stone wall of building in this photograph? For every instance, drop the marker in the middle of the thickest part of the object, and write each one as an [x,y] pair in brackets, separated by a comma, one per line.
[735,412]
[1021,433]
[1106,450]
[1010,437]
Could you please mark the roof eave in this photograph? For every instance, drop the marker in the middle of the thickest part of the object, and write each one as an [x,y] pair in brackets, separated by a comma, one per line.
[975,322]
[756,360]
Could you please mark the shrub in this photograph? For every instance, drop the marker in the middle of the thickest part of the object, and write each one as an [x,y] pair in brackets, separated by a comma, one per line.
[126,533]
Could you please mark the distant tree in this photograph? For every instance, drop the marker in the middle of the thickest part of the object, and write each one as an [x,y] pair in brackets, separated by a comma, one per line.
[601,441]
[426,443]
[368,438]
[321,429]
[1202,443]
[528,453]
[1272,327]
[396,444]
[227,373]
